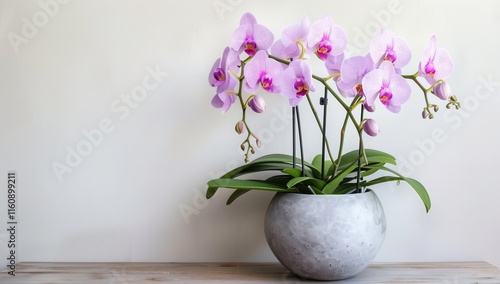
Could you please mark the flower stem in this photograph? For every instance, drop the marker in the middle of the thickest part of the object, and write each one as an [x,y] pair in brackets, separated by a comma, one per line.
[354,103]
[249,148]
[348,113]
[313,109]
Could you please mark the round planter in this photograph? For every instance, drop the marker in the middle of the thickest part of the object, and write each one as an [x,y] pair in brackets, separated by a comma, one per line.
[325,237]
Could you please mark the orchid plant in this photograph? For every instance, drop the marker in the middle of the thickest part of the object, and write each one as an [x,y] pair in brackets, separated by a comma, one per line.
[254,60]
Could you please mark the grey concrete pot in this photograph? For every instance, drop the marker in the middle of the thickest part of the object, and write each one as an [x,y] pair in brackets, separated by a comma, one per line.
[325,237]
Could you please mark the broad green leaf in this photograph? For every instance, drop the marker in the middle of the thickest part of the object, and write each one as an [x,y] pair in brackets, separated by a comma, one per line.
[309,189]
[247,184]
[296,172]
[332,185]
[317,163]
[237,193]
[271,162]
[210,192]
[375,168]
[317,183]
[417,186]
[280,180]
[373,156]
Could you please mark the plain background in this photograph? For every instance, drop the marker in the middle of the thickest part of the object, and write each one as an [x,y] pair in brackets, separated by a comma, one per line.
[136,192]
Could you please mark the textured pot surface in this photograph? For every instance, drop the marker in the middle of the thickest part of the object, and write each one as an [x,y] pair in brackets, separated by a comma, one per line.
[325,237]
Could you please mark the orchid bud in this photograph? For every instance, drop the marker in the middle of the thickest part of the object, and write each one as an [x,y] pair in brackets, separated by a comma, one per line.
[257,104]
[370,108]
[257,141]
[425,113]
[370,127]
[240,127]
[442,90]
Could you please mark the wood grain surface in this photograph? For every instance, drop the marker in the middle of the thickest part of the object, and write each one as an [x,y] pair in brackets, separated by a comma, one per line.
[128,273]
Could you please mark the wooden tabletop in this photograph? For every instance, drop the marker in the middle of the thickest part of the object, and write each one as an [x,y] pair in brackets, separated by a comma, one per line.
[128,273]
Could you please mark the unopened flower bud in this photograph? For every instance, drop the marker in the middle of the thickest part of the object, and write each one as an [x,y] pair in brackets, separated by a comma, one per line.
[240,127]
[242,146]
[370,108]
[425,113]
[442,90]
[257,104]
[370,127]
[258,143]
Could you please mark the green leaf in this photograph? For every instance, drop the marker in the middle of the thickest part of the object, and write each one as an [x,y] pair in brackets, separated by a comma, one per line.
[373,156]
[375,168]
[237,193]
[280,180]
[317,183]
[332,185]
[246,184]
[416,185]
[210,192]
[317,164]
[272,162]
[296,172]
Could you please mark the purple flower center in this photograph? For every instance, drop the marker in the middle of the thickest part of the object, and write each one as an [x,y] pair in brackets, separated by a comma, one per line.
[385,96]
[430,69]
[359,90]
[324,48]
[220,74]
[266,81]
[250,46]
[301,86]
[390,55]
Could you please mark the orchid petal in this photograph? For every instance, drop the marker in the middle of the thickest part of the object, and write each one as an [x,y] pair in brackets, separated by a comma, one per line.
[372,82]
[248,19]
[400,89]
[298,32]
[339,40]
[263,37]
[238,38]
[403,52]
[211,79]
[443,63]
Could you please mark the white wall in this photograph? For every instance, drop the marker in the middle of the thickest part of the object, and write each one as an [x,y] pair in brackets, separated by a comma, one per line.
[124,200]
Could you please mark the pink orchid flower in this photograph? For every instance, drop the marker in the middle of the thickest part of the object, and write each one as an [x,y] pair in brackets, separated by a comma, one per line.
[219,74]
[333,64]
[263,71]
[225,98]
[251,37]
[326,39]
[436,63]
[384,83]
[388,47]
[352,72]
[297,81]
[294,37]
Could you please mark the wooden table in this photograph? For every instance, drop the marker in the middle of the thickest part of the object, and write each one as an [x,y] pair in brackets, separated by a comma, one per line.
[192,273]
